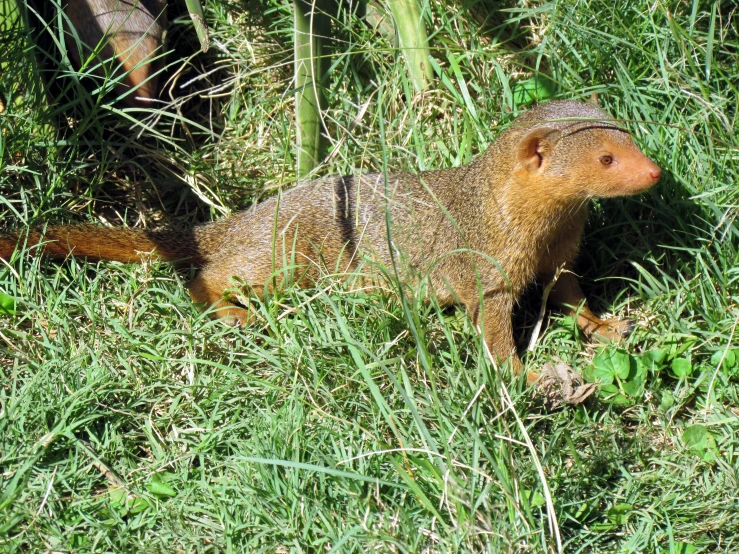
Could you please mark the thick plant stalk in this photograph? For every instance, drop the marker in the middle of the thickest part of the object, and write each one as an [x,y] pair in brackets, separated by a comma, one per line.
[312,29]
[10,25]
[413,40]
[19,83]
[198,19]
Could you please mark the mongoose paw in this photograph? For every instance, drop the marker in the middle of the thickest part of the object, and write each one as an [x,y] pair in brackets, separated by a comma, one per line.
[613,329]
[532,377]
[236,317]
[518,368]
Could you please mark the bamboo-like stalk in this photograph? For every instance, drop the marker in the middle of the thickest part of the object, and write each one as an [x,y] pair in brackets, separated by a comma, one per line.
[312,29]
[413,40]
[10,22]
[14,26]
[198,19]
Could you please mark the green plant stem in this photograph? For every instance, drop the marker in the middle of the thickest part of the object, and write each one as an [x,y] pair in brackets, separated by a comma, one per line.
[413,40]
[198,19]
[312,28]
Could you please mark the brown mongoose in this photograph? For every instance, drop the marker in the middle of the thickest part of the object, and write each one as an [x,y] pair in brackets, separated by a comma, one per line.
[481,232]
[127,32]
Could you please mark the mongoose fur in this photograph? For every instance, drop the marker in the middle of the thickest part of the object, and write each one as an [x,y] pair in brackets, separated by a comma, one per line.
[130,32]
[481,231]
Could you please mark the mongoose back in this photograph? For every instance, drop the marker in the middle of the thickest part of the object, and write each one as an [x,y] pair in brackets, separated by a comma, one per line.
[480,233]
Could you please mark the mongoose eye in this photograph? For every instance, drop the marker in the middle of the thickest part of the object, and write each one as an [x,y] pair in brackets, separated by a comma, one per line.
[606,160]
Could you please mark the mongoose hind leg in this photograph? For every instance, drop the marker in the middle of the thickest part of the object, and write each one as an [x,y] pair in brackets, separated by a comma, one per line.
[568,295]
[207,289]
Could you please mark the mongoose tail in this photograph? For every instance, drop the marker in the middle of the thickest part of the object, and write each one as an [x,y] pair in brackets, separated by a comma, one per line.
[107,243]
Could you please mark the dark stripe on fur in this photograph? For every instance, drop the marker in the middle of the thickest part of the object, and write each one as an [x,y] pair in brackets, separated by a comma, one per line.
[345,212]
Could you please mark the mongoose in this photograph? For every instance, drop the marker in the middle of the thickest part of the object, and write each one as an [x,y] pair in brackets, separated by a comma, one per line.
[481,231]
[128,32]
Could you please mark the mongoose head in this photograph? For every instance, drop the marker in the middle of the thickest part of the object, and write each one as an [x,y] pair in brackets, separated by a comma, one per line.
[574,149]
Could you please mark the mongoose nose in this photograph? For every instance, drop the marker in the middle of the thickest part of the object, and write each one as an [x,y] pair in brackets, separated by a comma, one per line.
[655,173]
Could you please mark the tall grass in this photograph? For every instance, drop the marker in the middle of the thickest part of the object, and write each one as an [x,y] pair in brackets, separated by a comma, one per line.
[130,420]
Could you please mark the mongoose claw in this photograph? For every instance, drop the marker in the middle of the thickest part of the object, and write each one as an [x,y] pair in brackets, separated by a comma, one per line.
[630,326]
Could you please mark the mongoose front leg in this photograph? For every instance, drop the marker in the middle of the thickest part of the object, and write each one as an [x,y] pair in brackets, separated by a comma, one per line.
[567,294]
[208,290]
[497,327]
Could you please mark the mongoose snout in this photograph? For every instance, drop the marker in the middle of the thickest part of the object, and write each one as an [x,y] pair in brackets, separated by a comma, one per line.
[478,234]
[625,170]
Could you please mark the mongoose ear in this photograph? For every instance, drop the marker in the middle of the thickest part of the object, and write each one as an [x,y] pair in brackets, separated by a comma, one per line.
[534,149]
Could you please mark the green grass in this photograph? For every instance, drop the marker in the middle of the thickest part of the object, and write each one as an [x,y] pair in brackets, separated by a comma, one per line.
[349,422]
